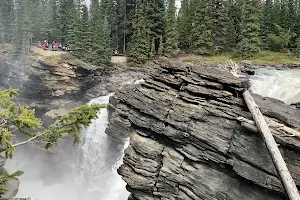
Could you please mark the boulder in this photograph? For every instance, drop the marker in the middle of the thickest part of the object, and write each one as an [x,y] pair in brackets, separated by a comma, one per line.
[187,142]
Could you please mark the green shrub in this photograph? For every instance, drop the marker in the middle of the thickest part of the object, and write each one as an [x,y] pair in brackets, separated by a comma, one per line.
[247,49]
[280,38]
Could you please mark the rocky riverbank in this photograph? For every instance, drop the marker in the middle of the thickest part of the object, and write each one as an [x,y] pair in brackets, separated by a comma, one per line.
[187,139]
[249,68]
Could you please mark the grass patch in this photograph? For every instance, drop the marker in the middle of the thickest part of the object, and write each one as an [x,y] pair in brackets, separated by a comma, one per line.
[216,58]
[269,57]
[263,57]
[52,60]
[57,59]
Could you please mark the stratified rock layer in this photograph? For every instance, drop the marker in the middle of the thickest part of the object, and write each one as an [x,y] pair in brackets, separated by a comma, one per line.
[187,142]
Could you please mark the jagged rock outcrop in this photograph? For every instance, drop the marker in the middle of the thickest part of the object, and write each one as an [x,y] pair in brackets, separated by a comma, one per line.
[39,78]
[67,77]
[187,141]
[116,77]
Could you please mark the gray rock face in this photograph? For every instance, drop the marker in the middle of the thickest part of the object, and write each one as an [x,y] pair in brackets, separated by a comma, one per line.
[116,77]
[186,141]
[67,77]
[12,185]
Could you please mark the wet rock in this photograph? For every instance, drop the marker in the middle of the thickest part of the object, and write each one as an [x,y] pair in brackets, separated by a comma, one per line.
[297,105]
[12,187]
[186,141]
[116,77]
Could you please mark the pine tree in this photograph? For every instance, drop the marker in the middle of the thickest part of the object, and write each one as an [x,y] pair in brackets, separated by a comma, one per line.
[184,25]
[23,28]
[85,34]
[171,44]
[250,40]
[232,25]
[202,27]
[267,25]
[280,38]
[73,35]
[6,20]
[125,18]
[100,31]
[160,51]
[276,12]
[297,22]
[104,53]
[292,20]
[95,29]
[235,20]
[38,19]
[122,24]
[297,49]
[291,15]
[231,35]
[220,19]
[153,50]
[41,20]
[283,14]
[51,28]
[141,35]
[155,11]
[65,19]
[109,10]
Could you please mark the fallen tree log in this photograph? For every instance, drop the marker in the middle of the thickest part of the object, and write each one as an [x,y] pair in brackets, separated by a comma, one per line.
[277,158]
[287,131]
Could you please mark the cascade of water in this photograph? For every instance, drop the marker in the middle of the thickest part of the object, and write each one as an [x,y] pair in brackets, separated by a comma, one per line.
[89,173]
[279,84]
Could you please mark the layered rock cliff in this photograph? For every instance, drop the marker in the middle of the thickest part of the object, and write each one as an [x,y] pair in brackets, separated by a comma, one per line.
[187,141]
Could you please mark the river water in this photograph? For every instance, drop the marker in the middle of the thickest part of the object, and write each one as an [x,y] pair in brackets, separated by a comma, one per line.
[86,172]
[279,84]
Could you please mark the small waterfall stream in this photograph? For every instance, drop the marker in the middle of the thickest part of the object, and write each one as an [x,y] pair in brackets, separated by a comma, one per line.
[279,84]
[86,172]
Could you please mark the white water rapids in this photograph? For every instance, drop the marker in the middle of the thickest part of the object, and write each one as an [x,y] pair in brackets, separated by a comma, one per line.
[279,84]
[86,172]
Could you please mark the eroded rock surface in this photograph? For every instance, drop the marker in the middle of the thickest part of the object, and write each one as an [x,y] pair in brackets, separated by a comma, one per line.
[187,142]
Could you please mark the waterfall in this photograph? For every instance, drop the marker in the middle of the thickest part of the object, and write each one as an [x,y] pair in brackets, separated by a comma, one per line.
[88,171]
[279,84]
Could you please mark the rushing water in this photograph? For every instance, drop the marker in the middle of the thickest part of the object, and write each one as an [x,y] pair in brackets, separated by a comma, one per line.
[279,84]
[87,172]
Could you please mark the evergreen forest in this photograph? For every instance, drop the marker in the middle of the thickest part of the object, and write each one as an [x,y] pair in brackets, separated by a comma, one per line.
[143,29]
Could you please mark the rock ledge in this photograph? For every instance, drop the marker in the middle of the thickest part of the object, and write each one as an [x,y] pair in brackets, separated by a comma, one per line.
[186,142]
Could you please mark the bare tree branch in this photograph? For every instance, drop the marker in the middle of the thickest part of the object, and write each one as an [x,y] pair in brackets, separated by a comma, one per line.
[230,67]
[29,140]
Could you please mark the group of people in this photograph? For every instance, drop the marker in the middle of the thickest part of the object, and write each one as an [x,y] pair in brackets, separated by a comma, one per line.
[55,46]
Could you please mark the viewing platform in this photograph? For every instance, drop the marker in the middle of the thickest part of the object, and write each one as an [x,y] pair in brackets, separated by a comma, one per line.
[47,52]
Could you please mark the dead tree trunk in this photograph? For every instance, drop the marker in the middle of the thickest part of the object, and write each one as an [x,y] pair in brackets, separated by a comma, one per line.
[277,158]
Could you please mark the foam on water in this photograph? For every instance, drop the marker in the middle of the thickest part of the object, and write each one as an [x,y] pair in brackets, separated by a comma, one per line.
[279,84]
[89,173]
